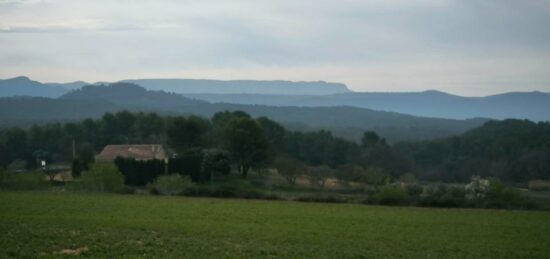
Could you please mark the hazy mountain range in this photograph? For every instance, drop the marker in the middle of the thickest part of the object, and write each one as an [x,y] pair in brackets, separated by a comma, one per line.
[23,86]
[194,86]
[521,105]
[348,122]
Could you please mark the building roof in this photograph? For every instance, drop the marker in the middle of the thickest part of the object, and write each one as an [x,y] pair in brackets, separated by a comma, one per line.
[138,152]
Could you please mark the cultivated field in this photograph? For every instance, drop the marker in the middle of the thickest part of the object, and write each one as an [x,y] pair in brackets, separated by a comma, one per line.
[99,225]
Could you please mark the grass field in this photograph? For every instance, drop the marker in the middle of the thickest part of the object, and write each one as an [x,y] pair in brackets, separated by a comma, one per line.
[53,224]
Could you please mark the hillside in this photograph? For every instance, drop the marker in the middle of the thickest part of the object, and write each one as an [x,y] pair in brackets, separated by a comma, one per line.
[520,105]
[131,96]
[512,150]
[69,86]
[347,122]
[23,86]
[25,111]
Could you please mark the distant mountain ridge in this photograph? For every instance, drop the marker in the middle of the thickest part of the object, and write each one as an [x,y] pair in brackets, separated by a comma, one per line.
[130,95]
[69,86]
[344,121]
[194,86]
[23,86]
[520,105]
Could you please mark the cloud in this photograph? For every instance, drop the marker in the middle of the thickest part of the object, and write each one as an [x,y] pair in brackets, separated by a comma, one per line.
[369,45]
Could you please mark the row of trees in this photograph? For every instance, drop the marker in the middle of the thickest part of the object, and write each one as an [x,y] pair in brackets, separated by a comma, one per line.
[512,150]
[203,147]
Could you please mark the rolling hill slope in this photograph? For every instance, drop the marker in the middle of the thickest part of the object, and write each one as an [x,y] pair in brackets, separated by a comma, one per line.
[344,121]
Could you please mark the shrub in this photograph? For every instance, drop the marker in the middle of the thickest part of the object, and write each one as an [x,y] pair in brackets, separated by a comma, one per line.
[390,195]
[139,173]
[501,196]
[77,167]
[376,176]
[326,198]
[172,184]
[102,177]
[539,185]
[414,189]
[441,195]
[22,181]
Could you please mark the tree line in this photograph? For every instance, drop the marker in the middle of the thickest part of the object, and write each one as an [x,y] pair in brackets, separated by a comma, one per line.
[512,150]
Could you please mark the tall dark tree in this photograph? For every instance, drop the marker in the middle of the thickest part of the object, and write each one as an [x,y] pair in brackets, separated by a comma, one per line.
[13,145]
[369,139]
[274,132]
[246,142]
[187,133]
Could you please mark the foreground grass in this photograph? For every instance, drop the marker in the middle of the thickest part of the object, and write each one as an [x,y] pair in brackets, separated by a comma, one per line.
[96,225]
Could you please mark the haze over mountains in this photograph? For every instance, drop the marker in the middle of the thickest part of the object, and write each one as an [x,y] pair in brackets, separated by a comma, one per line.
[202,86]
[521,105]
[93,101]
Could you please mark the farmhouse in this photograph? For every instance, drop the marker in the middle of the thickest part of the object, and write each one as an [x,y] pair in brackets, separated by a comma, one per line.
[138,152]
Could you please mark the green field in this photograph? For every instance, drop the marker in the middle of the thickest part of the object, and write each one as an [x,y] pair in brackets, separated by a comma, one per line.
[53,224]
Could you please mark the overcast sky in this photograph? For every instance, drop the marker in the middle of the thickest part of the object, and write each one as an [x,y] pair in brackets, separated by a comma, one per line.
[471,48]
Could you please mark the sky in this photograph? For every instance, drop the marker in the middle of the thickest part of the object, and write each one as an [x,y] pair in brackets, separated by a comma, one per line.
[465,47]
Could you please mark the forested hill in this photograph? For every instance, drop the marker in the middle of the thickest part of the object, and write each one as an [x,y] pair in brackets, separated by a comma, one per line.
[350,122]
[131,96]
[435,104]
[512,150]
[347,122]
[520,105]
[23,86]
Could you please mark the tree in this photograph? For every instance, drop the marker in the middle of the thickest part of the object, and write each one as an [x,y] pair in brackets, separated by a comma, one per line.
[13,145]
[289,168]
[216,161]
[186,133]
[370,138]
[220,119]
[76,168]
[246,143]
[149,127]
[274,132]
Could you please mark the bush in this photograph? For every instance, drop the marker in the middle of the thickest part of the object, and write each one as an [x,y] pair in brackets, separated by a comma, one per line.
[414,189]
[539,185]
[326,198]
[504,197]
[139,173]
[172,184]
[390,195]
[22,181]
[102,177]
[440,195]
